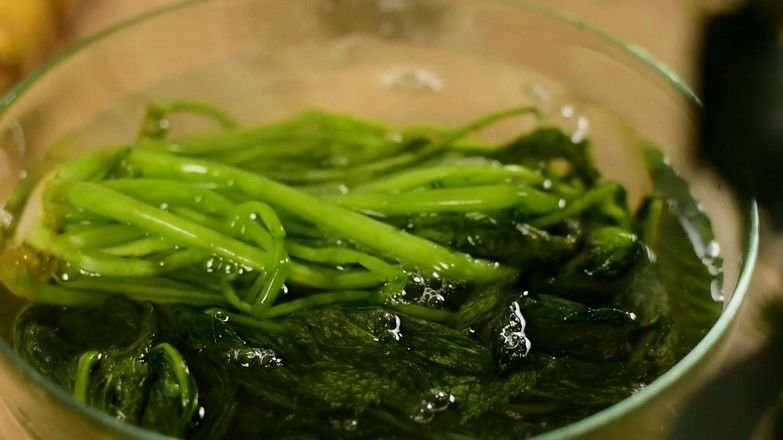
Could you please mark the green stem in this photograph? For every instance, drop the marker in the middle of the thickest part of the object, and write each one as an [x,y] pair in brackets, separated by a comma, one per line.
[140,248]
[526,200]
[590,198]
[275,279]
[153,289]
[83,369]
[314,300]
[332,279]
[108,265]
[450,176]
[339,256]
[155,126]
[101,236]
[245,321]
[170,192]
[103,201]
[368,233]
[407,158]
[231,296]
[184,379]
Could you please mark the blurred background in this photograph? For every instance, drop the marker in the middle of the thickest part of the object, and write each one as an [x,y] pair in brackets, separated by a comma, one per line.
[32,31]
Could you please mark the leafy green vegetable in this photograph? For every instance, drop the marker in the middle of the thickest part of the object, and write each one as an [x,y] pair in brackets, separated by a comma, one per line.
[327,276]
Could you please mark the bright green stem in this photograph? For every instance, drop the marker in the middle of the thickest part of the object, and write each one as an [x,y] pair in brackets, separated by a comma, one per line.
[170,192]
[153,289]
[407,158]
[450,176]
[103,201]
[590,198]
[231,296]
[332,279]
[244,321]
[155,125]
[368,233]
[108,265]
[275,279]
[83,369]
[477,198]
[339,256]
[21,282]
[100,237]
[140,248]
[314,300]
[243,221]
[94,165]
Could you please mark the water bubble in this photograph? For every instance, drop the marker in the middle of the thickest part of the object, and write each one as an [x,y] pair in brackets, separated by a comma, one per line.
[538,91]
[412,80]
[716,289]
[350,424]
[254,357]
[395,137]
[431,298]
[712,249]
[582,127]
[221,316]
[514,415]
[423,414]
[393,325]
[567,111]
[439,400]
[512,336]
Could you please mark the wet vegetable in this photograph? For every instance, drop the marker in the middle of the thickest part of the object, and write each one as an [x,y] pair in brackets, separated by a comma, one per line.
[326,276]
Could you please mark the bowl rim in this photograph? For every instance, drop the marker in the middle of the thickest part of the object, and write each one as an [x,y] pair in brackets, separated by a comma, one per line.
[749,224]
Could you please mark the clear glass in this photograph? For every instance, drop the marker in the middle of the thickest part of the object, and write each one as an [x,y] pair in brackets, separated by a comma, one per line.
[399,60]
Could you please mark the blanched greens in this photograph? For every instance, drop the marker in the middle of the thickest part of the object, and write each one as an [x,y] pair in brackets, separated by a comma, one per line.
[327,276]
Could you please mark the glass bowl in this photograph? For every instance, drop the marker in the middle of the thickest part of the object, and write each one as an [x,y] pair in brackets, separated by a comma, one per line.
[397,60]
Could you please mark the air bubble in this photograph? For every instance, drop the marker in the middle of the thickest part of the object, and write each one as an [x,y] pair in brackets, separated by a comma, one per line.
[412,80]
[221,316]
[712,249]
[568,111]
[440,400]
[393,325]
[432,298]
[350,424]
[538,91]
[716,289]
[423,414]
[254,357]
